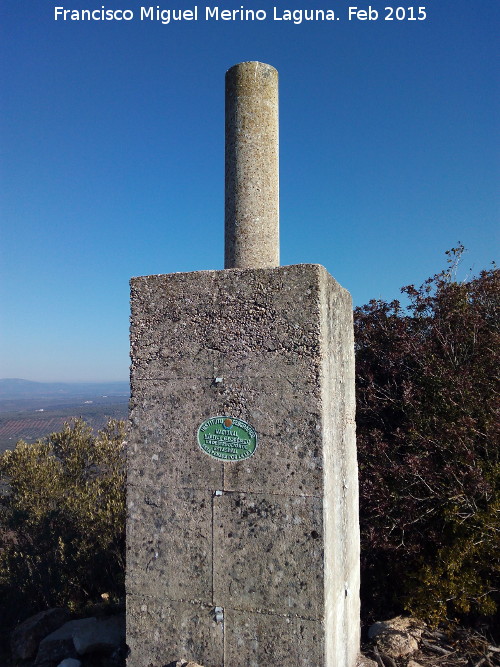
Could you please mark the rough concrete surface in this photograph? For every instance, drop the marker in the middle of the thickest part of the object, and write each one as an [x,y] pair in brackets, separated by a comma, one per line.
[255,640]
[252,173]
[173,554]
[271,546]
[158,629]
[273,540]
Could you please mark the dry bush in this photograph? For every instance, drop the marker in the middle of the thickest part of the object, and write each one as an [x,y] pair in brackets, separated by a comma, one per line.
[427,416]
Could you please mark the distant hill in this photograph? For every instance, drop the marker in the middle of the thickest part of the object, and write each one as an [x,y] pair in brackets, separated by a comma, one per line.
[16,388]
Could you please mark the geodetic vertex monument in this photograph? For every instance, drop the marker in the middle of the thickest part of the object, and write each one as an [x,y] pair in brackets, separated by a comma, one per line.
[242,531]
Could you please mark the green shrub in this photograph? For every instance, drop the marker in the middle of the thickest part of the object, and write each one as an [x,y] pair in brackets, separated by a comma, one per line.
[428,456]
[63,519]
[427,400]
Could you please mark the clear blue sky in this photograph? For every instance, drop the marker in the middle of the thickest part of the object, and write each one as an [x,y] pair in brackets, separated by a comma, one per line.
[112,138]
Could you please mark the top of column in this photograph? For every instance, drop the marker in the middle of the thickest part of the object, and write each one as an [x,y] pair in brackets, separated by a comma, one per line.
[252,169]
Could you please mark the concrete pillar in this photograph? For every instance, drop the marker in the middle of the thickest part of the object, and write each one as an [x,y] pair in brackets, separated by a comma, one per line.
[243,546]
[252,173]
[242,490]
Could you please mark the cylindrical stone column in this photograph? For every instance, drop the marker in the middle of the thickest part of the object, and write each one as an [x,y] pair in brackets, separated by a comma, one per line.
[252,171]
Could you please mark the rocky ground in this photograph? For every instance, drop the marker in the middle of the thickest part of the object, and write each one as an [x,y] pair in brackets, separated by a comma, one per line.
[407,642]
[52,639]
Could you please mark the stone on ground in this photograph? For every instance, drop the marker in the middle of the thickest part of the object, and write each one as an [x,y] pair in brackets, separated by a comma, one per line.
[99,634]
[70,662]
[397,637]
[57,646]
[80,637]
[27,636]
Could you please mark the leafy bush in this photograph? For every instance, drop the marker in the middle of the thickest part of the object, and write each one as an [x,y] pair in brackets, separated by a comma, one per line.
[428,447]
[62,519]
[429,471]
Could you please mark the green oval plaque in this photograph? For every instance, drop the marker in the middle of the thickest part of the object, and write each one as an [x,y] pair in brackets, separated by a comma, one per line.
[227,438]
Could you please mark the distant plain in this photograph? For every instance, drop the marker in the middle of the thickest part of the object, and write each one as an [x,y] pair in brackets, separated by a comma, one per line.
[33,410]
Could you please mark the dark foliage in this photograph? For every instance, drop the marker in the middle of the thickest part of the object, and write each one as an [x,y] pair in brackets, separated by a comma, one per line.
[427,419]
